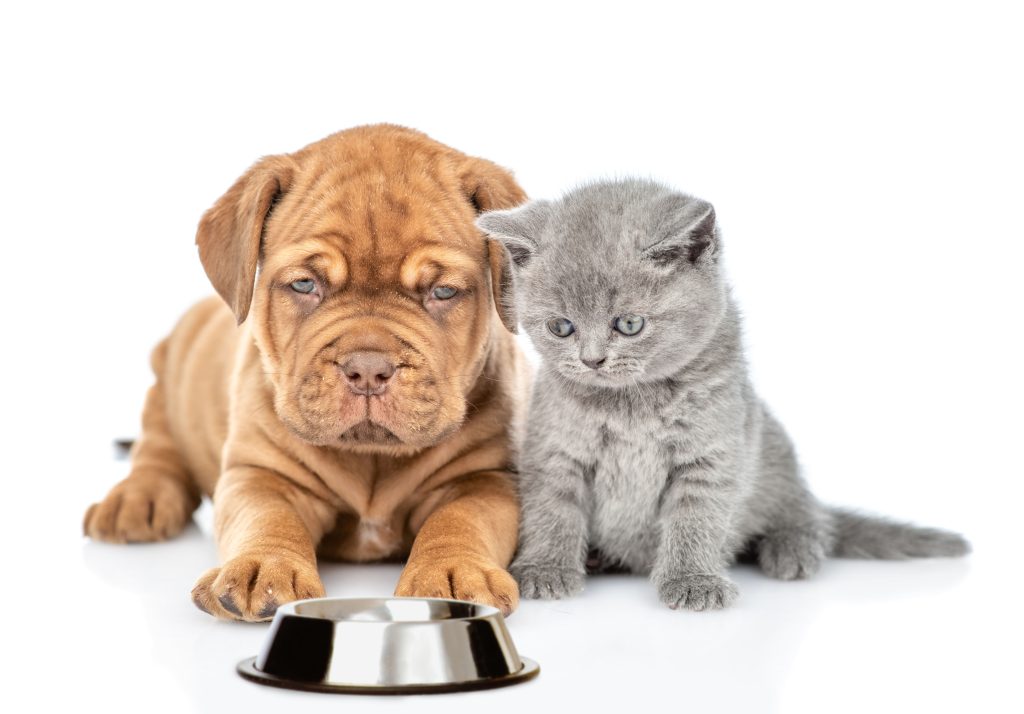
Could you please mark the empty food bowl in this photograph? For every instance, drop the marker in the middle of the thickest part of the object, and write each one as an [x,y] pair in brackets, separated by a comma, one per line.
[387,646]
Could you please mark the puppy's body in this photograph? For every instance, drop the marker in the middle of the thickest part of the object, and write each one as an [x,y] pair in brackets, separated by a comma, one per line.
[374,494]
[365,406]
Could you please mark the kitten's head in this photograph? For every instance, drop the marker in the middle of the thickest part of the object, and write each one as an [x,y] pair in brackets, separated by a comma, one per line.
[616,283]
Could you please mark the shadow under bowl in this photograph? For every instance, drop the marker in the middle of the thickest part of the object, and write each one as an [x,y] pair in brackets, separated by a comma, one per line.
[387,646]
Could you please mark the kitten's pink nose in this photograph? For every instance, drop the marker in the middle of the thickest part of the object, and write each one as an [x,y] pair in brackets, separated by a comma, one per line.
[593,363]
[368,373]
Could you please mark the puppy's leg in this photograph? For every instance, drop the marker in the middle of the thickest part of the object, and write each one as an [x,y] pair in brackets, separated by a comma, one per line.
[463,547]
[267,530]
[158,497]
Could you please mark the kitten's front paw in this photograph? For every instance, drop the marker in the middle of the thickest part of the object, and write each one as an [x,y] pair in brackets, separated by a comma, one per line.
[697,592]
[548,582]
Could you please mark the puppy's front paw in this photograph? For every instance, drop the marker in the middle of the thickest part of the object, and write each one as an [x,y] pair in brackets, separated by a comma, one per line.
[252,587]
[697,592]
[462,579]
[141,509]
[548,582]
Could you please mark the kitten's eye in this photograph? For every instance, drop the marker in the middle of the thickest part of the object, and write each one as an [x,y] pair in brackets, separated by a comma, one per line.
[560,327]
[303,286]
[444,292]
[629,325]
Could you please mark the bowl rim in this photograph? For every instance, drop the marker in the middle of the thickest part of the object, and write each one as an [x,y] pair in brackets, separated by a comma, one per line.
[483,612]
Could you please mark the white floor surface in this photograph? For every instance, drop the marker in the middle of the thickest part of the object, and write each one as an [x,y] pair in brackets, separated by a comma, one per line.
[112,627]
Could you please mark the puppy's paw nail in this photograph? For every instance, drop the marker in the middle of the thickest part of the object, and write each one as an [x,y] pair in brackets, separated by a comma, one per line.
[228,603]
[268,610]
[199,603]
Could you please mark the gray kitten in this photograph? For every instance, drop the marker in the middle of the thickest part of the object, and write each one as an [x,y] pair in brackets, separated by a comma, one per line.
[646,444]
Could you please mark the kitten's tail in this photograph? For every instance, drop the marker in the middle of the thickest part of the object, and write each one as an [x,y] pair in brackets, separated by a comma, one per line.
[857,535]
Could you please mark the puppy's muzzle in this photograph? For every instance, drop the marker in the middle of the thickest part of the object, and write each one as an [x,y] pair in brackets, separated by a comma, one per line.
[367,373]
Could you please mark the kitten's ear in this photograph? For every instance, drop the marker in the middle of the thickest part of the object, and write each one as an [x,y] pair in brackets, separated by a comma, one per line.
[518,229]
[686,233]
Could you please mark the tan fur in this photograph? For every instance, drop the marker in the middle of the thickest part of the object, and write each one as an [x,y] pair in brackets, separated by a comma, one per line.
[259,415]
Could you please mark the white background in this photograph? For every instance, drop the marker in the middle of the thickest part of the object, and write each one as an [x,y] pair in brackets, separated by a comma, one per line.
[866,165]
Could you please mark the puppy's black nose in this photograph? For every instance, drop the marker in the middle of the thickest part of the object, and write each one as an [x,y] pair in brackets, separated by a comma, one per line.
[368,372]
[593,363]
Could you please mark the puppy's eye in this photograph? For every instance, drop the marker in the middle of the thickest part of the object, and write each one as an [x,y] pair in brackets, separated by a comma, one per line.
[444,292]
[629,325]
[560,327]
[304,286]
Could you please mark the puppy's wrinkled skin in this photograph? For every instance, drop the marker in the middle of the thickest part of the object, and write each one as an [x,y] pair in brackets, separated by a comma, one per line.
[356,390]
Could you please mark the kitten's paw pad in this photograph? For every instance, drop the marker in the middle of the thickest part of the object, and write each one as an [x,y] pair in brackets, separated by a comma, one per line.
[548,582]
[140,509]
[251,588]
[468,579]
[697,592]
[791,554]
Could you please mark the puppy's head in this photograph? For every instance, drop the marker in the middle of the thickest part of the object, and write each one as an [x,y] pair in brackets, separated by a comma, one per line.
[374,298]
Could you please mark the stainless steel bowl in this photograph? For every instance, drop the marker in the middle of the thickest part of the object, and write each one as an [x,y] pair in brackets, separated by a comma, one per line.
[387,646]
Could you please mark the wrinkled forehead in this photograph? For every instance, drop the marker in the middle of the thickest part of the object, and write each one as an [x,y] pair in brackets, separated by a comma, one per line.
[342,262]
[372,226]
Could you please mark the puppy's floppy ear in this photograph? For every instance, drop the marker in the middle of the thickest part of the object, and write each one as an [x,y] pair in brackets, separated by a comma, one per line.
[502,284]
[488,186]
[511,242]
[230,232]
[686,232]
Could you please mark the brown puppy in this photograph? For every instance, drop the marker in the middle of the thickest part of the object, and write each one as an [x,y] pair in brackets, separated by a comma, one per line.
[365,409]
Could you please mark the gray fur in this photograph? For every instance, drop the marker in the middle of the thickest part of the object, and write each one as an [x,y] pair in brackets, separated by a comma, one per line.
[663,459]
